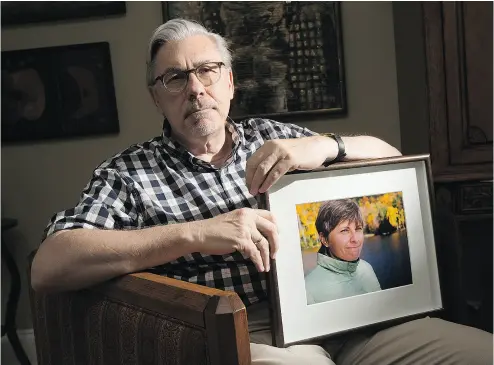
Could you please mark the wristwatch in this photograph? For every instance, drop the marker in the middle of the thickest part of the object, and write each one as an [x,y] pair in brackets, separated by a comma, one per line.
[341,149]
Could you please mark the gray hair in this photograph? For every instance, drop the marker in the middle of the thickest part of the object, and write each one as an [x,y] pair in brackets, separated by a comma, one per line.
[333,212]
[177,30]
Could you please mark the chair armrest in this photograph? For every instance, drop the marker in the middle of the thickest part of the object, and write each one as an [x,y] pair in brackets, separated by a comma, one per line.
[221,313]
[141,318]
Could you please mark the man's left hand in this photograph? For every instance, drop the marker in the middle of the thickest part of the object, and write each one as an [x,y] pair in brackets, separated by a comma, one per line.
[277,157]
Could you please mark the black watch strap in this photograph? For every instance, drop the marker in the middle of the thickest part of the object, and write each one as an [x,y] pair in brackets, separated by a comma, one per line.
[341,149]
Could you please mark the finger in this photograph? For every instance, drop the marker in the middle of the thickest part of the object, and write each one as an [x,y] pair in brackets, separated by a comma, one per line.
[262,172]
[255,256]
[278,170]
[262,245]
[267,215]
[252,164]
[269,230]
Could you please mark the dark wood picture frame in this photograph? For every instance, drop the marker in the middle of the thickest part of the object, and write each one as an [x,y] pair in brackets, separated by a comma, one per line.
[58,92]
[26,12]
[272,282]
[287,56]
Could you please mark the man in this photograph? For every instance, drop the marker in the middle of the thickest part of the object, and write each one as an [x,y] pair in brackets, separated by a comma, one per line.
[184,204]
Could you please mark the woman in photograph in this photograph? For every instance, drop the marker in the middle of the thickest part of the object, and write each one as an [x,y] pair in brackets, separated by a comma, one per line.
[340,272]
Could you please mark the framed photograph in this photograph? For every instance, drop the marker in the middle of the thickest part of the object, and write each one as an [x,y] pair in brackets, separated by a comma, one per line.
[26,12]
[58,92]
[357,248]
[287,56]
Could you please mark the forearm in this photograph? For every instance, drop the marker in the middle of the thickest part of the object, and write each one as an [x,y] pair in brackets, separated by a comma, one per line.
[367,147]
[80,258]
[357,148]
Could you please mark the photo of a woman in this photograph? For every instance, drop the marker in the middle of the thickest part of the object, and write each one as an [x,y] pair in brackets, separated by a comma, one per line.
[340,272]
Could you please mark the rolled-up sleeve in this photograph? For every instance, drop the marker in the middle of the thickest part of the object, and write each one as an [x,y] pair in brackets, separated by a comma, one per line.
[271,129]
[106,202]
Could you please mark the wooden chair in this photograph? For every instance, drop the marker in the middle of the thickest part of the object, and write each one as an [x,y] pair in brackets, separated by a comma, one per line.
[141,318]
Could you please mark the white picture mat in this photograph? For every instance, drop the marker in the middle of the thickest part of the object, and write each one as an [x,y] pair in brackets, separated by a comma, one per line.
[301,321]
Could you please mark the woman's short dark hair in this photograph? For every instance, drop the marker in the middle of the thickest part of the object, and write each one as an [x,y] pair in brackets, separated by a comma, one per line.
[333,212]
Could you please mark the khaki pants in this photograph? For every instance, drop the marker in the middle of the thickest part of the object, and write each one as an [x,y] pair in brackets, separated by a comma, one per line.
[425,341]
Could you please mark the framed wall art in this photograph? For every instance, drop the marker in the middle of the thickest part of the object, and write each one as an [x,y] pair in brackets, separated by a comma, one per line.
[358,248]
[287,56]
[25,12]
[58,92]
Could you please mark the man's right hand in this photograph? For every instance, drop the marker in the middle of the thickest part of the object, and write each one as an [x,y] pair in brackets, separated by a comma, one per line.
[252,232]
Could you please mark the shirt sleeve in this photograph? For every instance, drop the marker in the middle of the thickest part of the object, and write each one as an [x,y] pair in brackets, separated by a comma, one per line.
[106,202]
[271,129]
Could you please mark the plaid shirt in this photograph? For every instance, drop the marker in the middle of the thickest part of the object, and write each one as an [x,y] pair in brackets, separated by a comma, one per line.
[159,182]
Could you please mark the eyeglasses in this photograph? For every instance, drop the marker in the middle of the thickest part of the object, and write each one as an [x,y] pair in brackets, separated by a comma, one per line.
[176,81]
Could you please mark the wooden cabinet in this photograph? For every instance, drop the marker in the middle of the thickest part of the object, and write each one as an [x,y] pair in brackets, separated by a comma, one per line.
[464,242]
[458,46]
[444,72]
[458,62]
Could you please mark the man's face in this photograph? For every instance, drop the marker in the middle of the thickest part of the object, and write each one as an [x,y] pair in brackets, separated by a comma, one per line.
[198,110]
[346,240]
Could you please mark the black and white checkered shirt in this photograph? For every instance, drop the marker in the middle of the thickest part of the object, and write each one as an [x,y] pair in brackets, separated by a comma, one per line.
[159,182]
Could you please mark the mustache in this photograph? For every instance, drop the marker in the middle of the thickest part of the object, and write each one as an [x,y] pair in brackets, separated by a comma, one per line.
[195,107]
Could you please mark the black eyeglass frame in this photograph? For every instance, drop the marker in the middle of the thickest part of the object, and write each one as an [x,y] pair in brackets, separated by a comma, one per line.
[187,75]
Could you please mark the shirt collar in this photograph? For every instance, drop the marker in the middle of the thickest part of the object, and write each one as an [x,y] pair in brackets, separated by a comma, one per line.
[172,146]
[339,266]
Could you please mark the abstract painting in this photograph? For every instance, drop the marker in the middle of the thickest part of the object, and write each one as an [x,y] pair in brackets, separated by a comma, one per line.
[58,92]
[287,56]
[15,13]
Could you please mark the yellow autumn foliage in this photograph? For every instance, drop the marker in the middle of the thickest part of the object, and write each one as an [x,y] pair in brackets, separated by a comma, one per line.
[307,214]
[375,209]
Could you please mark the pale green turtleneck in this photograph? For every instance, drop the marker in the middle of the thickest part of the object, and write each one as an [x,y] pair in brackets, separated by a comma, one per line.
[335,279]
